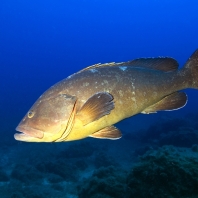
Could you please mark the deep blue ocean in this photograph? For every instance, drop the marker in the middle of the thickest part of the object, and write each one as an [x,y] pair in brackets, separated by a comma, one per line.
[43,42]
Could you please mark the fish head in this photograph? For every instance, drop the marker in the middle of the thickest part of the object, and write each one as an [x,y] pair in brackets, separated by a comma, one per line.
[46,118]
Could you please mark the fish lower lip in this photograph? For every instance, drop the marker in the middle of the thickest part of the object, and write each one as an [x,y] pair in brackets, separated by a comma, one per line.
[25,138]
[19,136]
[30,131]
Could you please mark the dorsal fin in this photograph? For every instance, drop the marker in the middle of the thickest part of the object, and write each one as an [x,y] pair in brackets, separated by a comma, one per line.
[99,65]
[161,63]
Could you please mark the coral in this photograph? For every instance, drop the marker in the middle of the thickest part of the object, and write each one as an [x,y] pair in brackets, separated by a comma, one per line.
[25,174]
[81,164]
[61,168]
[163,173]
[52,178]
[106,182]
[14,189]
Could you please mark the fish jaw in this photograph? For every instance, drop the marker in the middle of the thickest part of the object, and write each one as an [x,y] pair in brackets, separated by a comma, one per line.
[27,132]
[26,138]
[30,132]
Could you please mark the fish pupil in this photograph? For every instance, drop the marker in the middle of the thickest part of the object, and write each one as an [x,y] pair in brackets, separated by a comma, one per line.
[30,114]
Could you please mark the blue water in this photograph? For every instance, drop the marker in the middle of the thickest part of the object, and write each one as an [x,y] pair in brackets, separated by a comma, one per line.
[42,42]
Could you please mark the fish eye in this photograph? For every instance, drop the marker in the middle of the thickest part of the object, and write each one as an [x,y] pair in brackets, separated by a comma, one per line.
[30,114]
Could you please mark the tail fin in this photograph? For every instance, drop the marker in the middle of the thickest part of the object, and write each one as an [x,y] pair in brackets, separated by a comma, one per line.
[191,70]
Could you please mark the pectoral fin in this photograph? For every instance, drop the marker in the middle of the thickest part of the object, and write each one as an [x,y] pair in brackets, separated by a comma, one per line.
[110,132]
[171,102]
[97,106]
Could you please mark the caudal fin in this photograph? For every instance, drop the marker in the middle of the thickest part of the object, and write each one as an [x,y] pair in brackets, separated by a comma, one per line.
[191,70]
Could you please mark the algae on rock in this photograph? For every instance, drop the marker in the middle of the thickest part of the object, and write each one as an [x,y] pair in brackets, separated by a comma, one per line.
[166,172]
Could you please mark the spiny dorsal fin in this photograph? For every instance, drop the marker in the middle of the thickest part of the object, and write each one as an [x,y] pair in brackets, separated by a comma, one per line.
[97,106]
[171,102]
[99,65]
[160,63]
[109,132]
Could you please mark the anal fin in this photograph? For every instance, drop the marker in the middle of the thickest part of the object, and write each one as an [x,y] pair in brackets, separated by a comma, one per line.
[109,132]
[171,102]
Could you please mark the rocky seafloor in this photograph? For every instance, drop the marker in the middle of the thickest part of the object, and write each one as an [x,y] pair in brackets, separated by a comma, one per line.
[158,162]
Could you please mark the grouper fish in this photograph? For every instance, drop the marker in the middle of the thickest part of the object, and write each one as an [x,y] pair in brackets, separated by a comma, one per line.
[89,102]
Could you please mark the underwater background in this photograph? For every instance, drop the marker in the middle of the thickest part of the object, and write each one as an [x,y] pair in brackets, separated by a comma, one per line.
[42,42]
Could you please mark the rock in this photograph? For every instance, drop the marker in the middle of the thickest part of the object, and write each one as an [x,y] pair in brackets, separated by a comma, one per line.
[163,173]
[106,182]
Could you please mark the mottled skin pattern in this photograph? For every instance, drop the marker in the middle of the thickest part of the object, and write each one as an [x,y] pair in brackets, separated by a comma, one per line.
[133,90]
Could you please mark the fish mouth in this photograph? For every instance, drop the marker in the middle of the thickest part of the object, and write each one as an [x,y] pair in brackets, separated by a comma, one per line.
[23,137]
[28,132]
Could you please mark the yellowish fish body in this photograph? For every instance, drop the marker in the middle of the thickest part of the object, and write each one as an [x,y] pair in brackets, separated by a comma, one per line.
[88,103]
